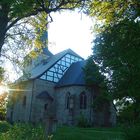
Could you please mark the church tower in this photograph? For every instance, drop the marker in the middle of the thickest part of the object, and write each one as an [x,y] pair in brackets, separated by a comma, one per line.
[42,56]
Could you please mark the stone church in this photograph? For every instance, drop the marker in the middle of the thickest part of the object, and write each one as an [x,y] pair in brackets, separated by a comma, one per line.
[55,89]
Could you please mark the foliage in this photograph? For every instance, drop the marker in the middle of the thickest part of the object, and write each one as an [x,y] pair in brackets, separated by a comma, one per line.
[3,102]
[3,97]
[114,11]
[4,126]
[24,132]
[23,23]
[92,74]
[126,114]
[82,121]
[1,74]
[13,11]
[94,78]
[132,132]
[117,52]
[30,132]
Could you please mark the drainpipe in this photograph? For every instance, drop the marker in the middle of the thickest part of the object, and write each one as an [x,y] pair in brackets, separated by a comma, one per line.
[30,113]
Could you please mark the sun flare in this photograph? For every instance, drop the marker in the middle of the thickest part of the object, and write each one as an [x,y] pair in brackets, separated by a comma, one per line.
[3,89]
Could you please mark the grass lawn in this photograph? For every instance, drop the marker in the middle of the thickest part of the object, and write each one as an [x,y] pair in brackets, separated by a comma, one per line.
[29,132]
[73,133]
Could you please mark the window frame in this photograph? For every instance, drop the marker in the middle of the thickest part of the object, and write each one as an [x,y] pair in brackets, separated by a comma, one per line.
[83,100]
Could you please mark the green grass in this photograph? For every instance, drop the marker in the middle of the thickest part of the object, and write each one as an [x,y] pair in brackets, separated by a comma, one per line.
[29,132]
[73,133]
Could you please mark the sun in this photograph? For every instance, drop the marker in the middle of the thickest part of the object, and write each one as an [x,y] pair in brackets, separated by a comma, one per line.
[3,89]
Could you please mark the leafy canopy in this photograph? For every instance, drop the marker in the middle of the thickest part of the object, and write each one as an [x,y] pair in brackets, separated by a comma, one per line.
[3,96]
[117,52]
[23,22]
[13,11]
[111,12]
[96,81]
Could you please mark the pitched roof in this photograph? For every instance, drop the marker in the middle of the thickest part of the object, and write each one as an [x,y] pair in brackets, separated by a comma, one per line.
[40,69]
[74,75]
[45,95]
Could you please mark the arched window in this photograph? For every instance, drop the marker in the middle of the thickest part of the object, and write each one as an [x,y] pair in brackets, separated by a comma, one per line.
[83,100]
[68,100]
[45,107]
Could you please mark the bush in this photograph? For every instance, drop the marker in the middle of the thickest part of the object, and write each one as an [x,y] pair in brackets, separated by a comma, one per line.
[4,126]
[82,122]
[133,132]
[24,132]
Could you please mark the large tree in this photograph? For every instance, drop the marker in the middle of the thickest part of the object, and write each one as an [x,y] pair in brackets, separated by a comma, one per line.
[116,49]
[111,12]
[117,52]
[96,83]
[13,11]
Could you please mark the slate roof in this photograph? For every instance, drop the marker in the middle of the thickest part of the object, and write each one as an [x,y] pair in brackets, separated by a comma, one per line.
[41,68]
[45,95]
[74,75]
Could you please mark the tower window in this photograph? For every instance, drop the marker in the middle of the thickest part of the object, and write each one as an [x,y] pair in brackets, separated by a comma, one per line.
[83,100]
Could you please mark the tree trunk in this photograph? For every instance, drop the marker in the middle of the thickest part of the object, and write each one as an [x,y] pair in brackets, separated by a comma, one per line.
[3,23]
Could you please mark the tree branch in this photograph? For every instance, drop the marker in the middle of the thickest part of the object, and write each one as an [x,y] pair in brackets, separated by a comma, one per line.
[48,10]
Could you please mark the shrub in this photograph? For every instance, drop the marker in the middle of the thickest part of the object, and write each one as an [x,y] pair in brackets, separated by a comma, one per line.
[82,121]
[24,132]
[4,126]
[133,132]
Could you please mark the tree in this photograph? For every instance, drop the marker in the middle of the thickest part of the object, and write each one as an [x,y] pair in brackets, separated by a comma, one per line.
[1,74]
[114,11]
[14,11]
[117,52]
[116,49]
[3,97]
[96,83]
[3,102]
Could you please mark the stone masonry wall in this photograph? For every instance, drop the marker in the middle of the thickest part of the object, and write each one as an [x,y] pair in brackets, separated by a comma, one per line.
[37,112]
[63,114]
[19,112]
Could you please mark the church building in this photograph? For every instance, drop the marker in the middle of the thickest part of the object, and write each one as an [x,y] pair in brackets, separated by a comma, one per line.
[55,89]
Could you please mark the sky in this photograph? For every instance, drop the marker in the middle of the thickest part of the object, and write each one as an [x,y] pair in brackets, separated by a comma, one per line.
[68,30]
[71,30]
